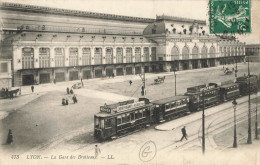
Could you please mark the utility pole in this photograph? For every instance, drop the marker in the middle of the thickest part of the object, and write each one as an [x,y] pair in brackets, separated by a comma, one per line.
[256,123]
[142,76]
[249,139]
[203,124]
[235,127]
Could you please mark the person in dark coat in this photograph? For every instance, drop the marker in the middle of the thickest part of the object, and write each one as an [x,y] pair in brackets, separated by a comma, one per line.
[63,101]
[74,98]
[184,134]
[6,93]
[113,75]
[11,95]
[68,91]
[9,137]
[32,88]
[130,82]
[71,91]
[67,101]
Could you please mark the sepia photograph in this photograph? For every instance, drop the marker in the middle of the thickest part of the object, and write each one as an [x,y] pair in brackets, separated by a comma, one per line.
[130,82]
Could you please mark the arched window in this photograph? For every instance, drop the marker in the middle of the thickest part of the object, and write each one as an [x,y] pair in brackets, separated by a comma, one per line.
[128,55]
[109,56]
[44,57]
[98,56]
[175,53]
[73,56]
[204,52]
[239,51]
[86,56]
[212,51]
[225,51]
[235,51]
[232,51]
[195,52]
[59,57]
[138,54]
[27,58]
[220,50]
[119,55]
[153,53]
[228,51]
[185,52]
[146,54]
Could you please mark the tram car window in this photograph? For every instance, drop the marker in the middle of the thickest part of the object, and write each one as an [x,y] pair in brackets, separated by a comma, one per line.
[122,118]
[211,96]
[244,81]
[170,108]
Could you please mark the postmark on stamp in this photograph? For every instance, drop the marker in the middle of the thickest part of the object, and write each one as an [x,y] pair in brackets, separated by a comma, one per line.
[230,16]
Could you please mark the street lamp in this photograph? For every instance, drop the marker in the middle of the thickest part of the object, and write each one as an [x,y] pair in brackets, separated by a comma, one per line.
[235,127]
[203,123]
[256,124]
[249,139]
[174,71]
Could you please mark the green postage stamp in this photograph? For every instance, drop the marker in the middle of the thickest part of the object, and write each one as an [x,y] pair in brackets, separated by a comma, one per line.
[229,16]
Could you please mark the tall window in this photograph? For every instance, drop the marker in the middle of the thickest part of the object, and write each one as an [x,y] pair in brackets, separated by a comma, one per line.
[128,55]
[73,56]
[86,56]
[235,51]
[27,58]
[204,52]
[239,51]
[225,51]
[59,57]
[175,53]
[4,67]
[109,56]
[119,55]
[98,56]
[146,54]
[212,51]
[185,52]
[153,53]
[232,51]
[242,51]
[228,51]
[138,54]
[195,52]
[44,57]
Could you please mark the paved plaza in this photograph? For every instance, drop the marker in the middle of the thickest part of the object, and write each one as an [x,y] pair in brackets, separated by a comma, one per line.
[40,123]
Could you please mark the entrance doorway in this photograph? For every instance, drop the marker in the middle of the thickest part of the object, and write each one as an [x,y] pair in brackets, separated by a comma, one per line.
[44,78]
[74,75]
[109,72]
[98,73]
[129,70]
[138,70]
[119,72]
[60,76]
[28,79]
[86,74]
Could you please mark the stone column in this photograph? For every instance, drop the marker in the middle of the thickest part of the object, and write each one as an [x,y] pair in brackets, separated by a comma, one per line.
[67,56]
[80,55]
[133,54]
[124,54]
[36,57]
[52,57]
[103,55]
[92,50]
[114,56]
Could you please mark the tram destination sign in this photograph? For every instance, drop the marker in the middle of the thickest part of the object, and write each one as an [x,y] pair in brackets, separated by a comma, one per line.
[130,106]
[114,107]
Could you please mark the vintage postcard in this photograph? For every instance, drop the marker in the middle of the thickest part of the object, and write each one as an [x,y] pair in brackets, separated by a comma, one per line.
[130,82]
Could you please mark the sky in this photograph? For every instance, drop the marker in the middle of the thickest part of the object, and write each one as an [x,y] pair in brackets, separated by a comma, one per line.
[196,9]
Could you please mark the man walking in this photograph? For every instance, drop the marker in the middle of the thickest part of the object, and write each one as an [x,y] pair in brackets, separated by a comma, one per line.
[97,151]
[130,82]
[32,88]
[184,134]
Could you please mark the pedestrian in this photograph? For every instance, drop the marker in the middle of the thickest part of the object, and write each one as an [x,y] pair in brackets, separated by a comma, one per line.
[9,137]
[68,90]
[11,95]
[184,134]
[6,92]
[74,98]
[113,75]
[82,84]
[32,88]
[54,81]
[71,91]
[130,82]
[67,101]
[97,151]
[63,101]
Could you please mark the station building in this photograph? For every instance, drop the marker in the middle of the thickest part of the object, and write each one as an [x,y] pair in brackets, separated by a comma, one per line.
[49,44]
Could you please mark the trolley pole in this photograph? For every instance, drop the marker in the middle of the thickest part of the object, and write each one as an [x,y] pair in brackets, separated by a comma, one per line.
[249,139]
[256,123]
[203,124]
[236,67]
[235,122]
